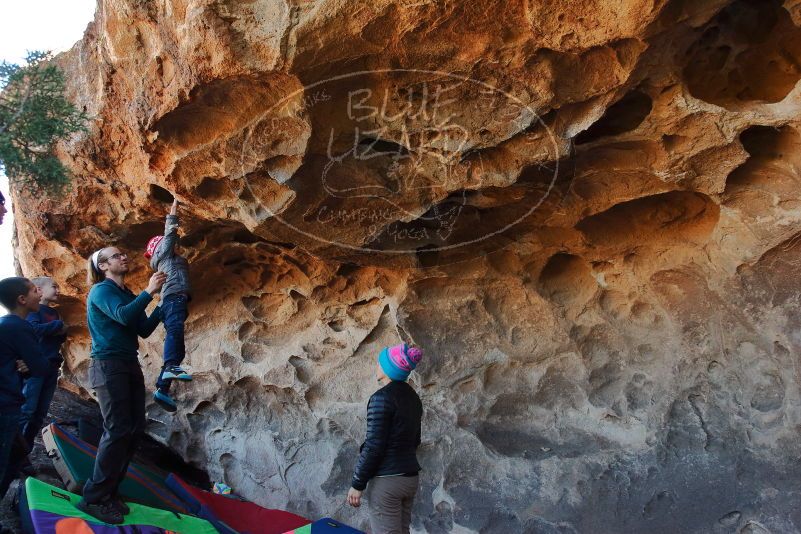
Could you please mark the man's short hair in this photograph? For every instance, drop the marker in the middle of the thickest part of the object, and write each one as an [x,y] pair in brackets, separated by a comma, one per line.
[11,288]
[41,281]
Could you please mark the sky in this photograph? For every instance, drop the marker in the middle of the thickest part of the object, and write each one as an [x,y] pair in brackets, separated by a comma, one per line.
[35,25]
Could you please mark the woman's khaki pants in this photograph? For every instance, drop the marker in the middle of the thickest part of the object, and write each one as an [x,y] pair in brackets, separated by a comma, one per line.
[391,500]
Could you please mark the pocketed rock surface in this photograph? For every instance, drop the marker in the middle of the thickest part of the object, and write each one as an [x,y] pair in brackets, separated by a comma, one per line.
[588,213]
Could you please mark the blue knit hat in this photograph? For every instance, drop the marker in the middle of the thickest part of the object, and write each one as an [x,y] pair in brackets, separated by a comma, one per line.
[399,361]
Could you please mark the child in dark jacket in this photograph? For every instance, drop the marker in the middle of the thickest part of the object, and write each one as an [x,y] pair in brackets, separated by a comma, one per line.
[161,251]
[19,353]
[52,333]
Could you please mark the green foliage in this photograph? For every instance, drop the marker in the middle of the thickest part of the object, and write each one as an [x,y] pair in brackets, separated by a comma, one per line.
[34,115]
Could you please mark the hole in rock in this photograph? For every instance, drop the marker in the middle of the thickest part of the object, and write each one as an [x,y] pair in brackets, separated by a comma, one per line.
[254,352]
[247,329]
[52,265]
[220,107]
[761,140]
[206,416]
[347,268]
[140,233]
[469,223]
[220,236]
[159,455]
[250,386]
[301,369]
[750,52]
[622,116]
[245,237]
[57,225]
[365,302]
[772,166]
[566,277]
[230,467]
[211,188]
[192,240]
[672,142]
[204,406]
[427,256]
[337,325]
[674,216]
[251,303]
[296,295]
[161,194]
[374,146]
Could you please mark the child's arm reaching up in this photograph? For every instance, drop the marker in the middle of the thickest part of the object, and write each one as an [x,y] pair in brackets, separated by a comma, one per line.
[166,246]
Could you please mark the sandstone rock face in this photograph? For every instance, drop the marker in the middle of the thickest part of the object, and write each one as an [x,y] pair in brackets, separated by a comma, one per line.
[587,212]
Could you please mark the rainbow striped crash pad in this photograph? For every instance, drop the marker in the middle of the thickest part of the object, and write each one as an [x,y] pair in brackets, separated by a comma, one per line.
[46,509]
[325,526]
[74,460]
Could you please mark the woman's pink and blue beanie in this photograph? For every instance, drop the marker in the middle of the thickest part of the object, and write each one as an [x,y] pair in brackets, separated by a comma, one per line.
[400,360]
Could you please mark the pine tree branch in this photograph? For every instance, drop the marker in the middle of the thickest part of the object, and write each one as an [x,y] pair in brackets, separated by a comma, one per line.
[18,113]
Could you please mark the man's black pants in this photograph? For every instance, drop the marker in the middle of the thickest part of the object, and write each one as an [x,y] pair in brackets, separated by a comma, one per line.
[120,389]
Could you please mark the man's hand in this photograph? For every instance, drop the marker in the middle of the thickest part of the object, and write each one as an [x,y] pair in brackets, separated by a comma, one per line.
[156,281]
[354,497]
[22,368]
[174,209]
[64,329]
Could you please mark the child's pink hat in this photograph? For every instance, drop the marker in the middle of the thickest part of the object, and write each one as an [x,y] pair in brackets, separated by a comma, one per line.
[151,246]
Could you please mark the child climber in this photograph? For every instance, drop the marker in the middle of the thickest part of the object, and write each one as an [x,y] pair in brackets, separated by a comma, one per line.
[161,251]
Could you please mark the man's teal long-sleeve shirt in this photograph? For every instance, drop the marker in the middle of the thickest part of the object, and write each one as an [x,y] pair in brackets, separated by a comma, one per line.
[117,319]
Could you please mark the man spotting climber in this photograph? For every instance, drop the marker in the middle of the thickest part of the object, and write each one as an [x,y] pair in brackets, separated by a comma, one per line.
[116,319]
[388,456]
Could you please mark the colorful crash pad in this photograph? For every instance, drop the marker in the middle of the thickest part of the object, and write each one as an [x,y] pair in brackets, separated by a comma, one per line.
[52,511]
[325,526]
[231,515]
[74,460]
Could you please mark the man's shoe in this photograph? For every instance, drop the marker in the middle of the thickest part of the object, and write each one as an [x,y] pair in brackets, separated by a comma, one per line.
[121,505]
[165,401]
[105,511]
[174,372]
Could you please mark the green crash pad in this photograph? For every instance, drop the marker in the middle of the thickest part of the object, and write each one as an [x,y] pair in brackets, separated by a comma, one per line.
[52,511]
[74,461]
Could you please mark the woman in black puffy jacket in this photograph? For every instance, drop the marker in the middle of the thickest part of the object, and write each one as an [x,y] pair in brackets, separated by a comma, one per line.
[388,456]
